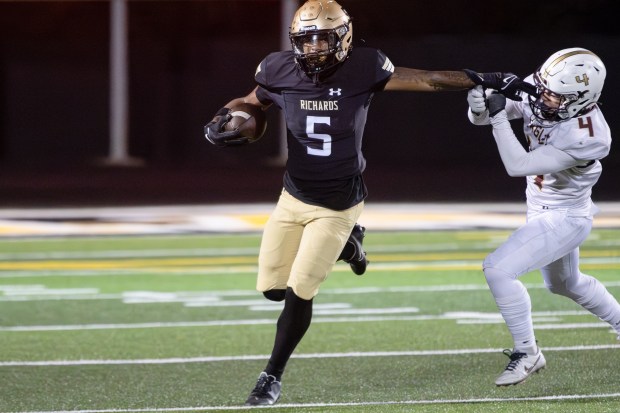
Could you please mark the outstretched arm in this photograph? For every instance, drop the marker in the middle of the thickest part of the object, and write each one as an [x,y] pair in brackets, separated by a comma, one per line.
[416,80]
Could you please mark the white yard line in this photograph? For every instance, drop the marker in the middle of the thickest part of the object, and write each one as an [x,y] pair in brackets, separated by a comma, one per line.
[250,322]
[295,406]
[183,360]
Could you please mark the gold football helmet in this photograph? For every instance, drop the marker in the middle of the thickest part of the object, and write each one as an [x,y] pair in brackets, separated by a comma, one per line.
[321,34]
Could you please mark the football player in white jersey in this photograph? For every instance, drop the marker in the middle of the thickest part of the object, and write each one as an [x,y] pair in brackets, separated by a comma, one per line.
[324,87]
[567,136]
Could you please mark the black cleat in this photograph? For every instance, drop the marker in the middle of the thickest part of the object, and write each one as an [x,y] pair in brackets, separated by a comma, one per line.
[266,391]
[358,260]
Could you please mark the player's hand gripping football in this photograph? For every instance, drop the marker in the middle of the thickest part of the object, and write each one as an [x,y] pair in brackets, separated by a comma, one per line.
[508,84]
[476,100]
[217,135]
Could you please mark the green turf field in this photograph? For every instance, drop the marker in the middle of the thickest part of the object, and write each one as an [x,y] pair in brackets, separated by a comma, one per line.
[172,323]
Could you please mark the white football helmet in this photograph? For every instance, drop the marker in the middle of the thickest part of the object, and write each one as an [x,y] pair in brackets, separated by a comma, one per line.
[325,23]
[574,77]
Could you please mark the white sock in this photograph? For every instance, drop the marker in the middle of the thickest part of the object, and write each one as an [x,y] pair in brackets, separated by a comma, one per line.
[513,302]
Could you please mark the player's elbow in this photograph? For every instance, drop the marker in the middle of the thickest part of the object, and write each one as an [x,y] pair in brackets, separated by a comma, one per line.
[514,172]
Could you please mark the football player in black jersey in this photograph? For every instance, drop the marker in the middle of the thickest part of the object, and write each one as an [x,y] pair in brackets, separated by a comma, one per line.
[324,89]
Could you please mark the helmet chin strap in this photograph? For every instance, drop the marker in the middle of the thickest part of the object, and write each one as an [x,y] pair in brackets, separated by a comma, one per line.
[321,76]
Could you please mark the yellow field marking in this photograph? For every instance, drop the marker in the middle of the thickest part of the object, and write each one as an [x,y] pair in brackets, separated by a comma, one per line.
[256,221]
[125,263]
[250,260]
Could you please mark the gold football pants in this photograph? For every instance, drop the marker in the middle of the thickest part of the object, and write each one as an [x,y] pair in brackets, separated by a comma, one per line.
[301,244]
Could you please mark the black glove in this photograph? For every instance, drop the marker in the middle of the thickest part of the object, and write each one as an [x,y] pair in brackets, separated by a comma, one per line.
[215,133]
[497,103]
[508,84]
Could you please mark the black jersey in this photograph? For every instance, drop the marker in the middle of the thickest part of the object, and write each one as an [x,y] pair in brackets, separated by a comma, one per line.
[325,123]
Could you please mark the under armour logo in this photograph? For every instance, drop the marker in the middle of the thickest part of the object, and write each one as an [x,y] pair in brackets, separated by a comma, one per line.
[333,92]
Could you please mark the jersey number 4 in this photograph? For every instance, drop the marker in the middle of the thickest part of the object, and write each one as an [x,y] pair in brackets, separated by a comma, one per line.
[586,124]
[326,147]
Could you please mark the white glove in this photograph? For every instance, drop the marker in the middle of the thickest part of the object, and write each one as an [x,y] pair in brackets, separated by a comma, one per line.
[477,101]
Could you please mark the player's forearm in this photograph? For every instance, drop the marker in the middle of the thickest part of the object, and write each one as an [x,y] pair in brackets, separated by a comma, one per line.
[234,102]
[408,79]
[479,119]
[514,157]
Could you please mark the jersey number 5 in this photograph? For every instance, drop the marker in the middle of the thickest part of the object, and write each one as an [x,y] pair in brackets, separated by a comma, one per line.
[326,149]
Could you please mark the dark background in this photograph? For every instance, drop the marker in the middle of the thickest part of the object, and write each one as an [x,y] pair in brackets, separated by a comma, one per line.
[189,58]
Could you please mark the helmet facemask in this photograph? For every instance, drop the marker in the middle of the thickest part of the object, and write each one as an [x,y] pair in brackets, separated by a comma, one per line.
[318,50]
[548,106]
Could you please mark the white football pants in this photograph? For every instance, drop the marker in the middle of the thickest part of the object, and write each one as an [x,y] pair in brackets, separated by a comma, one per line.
[549,241]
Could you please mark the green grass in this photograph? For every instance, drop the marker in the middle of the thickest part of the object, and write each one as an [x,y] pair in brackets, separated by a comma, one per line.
[173,322]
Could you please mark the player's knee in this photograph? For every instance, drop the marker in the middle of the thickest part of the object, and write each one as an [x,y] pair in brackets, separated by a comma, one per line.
[493,274]
[557,287]
[275,295]
[581,289]
[488,262]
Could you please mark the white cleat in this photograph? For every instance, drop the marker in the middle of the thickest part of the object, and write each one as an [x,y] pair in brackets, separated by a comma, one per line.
[521,367]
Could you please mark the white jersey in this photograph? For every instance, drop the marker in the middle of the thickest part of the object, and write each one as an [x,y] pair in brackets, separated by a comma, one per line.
[561,167]
[586,139]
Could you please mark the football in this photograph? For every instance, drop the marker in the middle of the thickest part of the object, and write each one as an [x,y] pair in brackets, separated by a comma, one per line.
[249,120]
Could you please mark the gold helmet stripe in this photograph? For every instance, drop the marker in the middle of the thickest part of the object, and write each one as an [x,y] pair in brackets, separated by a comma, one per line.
[565,56]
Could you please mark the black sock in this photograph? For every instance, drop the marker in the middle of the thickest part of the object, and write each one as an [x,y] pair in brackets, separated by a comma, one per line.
[292,325]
